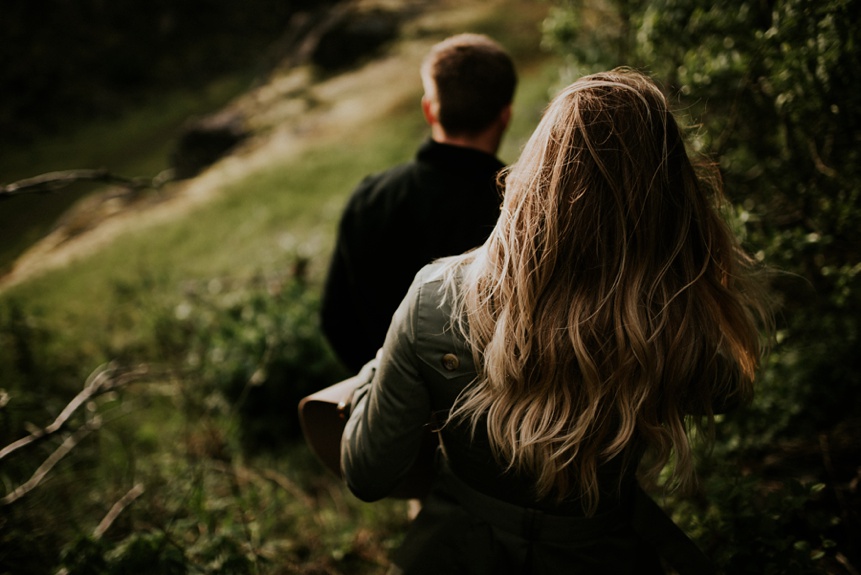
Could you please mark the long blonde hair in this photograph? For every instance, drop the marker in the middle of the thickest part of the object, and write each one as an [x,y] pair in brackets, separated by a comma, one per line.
[610,300]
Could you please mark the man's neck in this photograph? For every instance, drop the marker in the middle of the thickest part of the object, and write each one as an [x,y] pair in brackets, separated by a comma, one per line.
[487,141]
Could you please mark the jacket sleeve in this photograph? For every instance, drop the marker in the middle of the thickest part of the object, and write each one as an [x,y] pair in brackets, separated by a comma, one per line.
[384,431]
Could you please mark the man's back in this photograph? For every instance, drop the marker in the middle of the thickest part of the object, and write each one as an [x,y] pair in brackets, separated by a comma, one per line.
[443,203]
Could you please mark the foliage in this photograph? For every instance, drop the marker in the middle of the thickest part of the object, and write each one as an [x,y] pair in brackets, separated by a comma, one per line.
[773,92]
[210,436]
[217,496]
[258,347]
[750,526]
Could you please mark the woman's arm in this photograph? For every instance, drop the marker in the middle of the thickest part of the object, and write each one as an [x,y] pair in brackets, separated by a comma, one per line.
[387,418]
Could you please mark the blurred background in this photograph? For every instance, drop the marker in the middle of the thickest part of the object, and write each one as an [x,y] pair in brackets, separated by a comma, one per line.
[171,175]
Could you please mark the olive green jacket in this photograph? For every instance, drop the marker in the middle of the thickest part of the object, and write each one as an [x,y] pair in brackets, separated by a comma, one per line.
[422,368]
[471,521]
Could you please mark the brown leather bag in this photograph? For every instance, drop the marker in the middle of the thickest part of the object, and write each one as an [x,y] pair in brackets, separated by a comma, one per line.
[323,416]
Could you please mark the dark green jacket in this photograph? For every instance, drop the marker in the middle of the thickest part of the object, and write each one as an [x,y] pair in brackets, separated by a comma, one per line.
[477,518]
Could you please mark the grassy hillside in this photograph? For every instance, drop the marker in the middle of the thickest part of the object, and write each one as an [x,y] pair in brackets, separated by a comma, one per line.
[197,314]
[135,144]
[284,206]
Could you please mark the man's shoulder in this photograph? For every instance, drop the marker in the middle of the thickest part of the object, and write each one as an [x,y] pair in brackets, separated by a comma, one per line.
[384,189]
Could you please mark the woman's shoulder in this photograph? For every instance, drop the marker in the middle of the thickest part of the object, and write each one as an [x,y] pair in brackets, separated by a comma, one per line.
[435,271]
[423,301]
[449,270]
[439,342]
[437,279]
[427,292]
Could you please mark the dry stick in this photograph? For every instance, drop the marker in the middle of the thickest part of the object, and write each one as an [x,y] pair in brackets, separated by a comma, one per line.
[118,508]
[49,463]
[52,181]
[100,381]
[93,386]
[112,515]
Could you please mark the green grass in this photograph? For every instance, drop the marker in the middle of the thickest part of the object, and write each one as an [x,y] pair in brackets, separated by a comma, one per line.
[202,488]
[135,144]
[256,225]
[205,493]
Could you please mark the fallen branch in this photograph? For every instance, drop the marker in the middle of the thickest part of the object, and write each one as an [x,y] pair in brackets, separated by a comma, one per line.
[112,515]
[53,181]
[49,463]
[118,508]
[102,380]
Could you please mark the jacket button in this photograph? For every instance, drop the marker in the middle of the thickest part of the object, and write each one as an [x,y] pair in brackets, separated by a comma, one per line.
[450,361]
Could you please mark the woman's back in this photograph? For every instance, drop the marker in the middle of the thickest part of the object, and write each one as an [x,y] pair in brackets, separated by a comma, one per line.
[611,300]
[609,303]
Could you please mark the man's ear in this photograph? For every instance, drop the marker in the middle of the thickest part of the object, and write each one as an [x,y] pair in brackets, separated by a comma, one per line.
[428,110]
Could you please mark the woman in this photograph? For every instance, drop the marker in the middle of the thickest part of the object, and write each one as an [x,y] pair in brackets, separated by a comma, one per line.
[562,356]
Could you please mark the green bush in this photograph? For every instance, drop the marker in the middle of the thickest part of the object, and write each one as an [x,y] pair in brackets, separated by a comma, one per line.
[208,431]
[256,345]
[772,93]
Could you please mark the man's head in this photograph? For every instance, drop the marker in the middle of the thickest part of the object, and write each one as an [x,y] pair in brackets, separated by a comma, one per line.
[469,81]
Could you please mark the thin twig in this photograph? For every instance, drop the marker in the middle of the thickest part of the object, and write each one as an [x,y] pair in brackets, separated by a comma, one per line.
[821,166]
[49,463]
[53,181]
[118,508]
[91,387]
[102,380]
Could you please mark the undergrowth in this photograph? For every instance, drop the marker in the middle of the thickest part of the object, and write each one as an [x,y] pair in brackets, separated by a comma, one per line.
[193,462]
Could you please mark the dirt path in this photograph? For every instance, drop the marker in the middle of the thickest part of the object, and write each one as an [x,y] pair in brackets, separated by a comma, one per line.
[283,124]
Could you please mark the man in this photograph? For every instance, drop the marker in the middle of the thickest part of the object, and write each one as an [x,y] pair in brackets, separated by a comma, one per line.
[444,202]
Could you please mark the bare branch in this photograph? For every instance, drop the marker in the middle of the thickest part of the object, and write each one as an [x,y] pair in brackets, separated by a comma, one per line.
[105,378]
[53,181]
[118,508]
[49,463]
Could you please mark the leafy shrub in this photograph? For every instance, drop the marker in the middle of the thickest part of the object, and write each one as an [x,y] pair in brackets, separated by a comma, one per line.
[748,525]
[227,361]
[256,346]
[773,91]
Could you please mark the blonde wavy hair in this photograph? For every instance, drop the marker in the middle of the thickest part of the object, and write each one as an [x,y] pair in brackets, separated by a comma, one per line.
[611,299]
